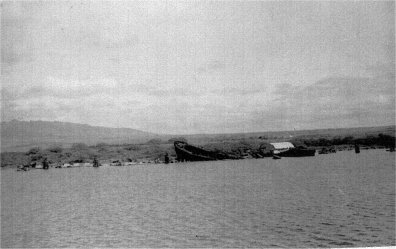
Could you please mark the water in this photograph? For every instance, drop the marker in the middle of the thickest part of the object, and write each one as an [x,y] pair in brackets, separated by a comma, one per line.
[335,200]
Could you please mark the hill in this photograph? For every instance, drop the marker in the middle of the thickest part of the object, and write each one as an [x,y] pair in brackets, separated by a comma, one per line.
[25,142]
[274,136]
[23,135]
[20,136]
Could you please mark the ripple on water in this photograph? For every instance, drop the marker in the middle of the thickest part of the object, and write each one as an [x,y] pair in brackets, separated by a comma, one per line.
[321,239]
[341,243]
[251,203]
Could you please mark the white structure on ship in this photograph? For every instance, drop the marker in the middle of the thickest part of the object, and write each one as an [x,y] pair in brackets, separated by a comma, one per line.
[282,146]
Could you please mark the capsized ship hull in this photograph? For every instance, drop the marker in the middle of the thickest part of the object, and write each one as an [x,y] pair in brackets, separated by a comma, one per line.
[186,152]
[296,152]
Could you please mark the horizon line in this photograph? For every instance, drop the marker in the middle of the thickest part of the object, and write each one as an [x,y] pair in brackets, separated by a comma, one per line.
[200,134]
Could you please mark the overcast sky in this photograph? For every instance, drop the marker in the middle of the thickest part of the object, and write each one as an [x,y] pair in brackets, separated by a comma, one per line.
[199,67]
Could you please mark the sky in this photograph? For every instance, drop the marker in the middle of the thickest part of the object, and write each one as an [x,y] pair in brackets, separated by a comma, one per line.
[186,67]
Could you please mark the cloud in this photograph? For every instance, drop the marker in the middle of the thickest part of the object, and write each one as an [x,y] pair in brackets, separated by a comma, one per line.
[339,101]
[211,66]
[60,88]
[13,27]
[244,90]
[199,66]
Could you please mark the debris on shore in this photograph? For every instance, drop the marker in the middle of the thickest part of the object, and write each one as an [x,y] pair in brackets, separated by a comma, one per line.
[179,150]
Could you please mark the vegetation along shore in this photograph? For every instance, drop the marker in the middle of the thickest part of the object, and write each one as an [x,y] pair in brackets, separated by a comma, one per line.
[155,150]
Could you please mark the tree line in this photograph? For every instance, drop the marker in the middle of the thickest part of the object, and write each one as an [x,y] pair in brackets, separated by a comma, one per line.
[370,140]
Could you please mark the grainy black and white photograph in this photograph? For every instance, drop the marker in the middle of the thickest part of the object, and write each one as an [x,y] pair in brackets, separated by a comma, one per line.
[197,124]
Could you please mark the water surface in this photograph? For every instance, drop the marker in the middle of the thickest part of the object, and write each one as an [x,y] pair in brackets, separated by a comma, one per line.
[335,200]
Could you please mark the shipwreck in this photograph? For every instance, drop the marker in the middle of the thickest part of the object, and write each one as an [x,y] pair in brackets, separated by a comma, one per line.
[186,152]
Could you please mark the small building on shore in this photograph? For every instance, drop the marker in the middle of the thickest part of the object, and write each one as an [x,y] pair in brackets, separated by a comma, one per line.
[281,147]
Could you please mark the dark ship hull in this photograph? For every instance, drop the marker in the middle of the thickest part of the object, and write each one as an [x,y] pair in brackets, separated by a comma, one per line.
[296,152]
[186,152]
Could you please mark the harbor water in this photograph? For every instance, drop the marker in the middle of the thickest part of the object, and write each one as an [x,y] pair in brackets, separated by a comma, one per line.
[333,200]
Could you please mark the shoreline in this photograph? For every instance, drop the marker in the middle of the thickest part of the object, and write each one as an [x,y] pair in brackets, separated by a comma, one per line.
[109,162]
[154,151]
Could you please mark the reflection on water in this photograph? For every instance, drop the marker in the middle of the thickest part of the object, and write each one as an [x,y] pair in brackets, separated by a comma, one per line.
[334,200]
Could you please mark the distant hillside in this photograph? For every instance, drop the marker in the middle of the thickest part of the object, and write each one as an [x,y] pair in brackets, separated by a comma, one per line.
[273,136]
[22,135]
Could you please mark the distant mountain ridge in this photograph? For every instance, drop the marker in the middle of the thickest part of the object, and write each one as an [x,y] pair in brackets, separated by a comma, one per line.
[22,135]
